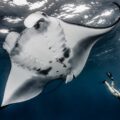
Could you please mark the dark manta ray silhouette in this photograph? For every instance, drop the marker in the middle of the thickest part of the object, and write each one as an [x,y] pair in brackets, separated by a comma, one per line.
[48,49]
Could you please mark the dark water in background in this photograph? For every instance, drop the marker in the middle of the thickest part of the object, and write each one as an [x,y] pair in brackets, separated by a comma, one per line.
[85,98]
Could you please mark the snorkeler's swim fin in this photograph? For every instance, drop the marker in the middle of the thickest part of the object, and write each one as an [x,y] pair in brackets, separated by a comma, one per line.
[109,75]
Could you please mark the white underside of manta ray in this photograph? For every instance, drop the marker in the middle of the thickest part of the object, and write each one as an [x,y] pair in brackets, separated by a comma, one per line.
[48,49]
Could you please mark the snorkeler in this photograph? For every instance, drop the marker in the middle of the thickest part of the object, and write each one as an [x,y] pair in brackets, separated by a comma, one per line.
[111,86]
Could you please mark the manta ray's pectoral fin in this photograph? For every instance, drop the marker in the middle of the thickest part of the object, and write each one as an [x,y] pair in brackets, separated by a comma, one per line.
[30,89]
[22,85]
[27,91]
[10,41]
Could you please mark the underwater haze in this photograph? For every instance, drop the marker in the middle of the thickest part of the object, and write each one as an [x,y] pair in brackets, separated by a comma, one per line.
[85,98]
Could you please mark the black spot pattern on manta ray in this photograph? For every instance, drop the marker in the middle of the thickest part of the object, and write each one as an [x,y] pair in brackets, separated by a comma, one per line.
[64,66]
[50,61]
[60,60]
[38,70]
[44,72]
[50,48]
[66,52]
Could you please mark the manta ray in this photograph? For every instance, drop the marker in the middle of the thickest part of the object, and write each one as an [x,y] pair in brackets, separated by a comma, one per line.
[47,49]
